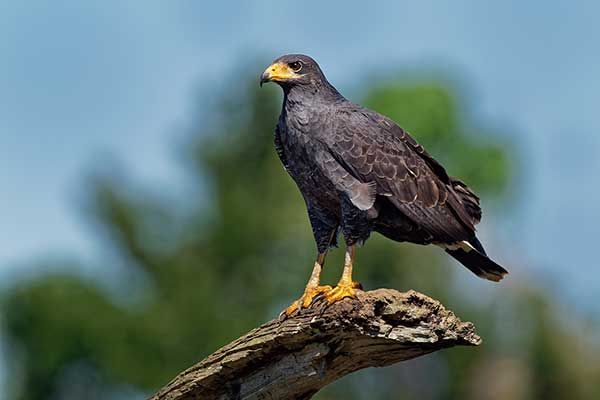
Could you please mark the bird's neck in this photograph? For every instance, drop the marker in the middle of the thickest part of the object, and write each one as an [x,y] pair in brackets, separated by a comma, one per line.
[314,94]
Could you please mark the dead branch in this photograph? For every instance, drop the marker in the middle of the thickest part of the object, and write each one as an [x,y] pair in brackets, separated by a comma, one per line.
[295,358]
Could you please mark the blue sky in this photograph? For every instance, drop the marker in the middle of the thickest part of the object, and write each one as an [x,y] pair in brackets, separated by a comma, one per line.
[84,84]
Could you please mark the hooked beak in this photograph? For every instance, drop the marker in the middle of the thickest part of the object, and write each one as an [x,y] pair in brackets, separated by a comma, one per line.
[277,72]
[264,78]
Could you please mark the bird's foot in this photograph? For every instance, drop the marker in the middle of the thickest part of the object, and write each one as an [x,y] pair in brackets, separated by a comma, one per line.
[341,291]
[305,301]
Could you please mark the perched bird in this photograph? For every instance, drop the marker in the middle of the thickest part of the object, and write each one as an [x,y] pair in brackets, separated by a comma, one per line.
[360,172]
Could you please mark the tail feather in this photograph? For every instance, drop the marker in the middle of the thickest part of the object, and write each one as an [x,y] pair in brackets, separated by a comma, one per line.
[478,246]
[476,261]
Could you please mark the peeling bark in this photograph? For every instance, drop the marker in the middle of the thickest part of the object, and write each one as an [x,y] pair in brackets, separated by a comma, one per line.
[296,358]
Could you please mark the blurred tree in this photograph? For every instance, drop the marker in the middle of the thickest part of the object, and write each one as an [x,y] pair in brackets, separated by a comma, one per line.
[234,262]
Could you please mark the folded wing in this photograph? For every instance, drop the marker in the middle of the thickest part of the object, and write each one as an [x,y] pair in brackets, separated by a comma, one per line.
[372,150]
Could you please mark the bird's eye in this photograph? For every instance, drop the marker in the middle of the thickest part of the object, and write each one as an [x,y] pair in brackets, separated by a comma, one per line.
[296,66]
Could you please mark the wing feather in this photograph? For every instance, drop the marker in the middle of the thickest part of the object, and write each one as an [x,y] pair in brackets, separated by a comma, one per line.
[374,150]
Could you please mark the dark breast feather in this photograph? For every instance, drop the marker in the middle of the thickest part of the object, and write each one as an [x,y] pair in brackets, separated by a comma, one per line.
[279,147]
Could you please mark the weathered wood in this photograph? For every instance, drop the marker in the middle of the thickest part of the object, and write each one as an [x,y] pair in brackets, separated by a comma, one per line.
[295,358]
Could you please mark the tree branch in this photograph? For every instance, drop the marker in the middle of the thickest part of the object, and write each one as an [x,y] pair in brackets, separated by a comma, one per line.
[296,358]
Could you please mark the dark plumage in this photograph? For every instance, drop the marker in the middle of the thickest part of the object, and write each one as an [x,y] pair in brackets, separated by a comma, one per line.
[360,172]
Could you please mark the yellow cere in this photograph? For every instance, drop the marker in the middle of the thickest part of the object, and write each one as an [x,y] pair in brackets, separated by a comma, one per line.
[279,71]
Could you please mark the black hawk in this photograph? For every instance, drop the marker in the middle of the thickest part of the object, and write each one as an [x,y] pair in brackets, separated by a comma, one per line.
[360,172]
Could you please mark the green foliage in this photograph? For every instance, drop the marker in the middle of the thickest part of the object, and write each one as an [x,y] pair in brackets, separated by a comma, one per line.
[219,268]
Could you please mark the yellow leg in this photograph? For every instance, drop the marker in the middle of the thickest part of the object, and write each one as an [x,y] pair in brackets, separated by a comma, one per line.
[312,288]
[346,286]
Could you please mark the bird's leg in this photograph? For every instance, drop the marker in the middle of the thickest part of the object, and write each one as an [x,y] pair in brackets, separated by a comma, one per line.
[346,286]
[312,288]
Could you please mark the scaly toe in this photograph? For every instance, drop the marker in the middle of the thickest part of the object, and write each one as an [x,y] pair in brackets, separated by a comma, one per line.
[306,301]
[342,291]
[290,310]
[309,297]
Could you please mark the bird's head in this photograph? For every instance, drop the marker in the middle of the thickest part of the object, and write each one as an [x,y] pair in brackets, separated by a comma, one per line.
[292,70]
